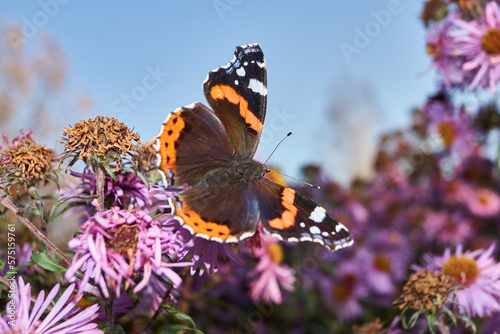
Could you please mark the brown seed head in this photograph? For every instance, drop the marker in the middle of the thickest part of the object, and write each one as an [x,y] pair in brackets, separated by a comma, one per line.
[434,11]
[98,137]
[33,161]
[425,289]
[374,327]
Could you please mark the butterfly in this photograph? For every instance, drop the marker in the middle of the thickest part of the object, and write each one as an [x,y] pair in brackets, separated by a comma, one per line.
[212,152]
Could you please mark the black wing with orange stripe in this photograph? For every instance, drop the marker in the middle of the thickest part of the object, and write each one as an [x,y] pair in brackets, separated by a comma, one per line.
[238,94]
[191,143]
[289,215]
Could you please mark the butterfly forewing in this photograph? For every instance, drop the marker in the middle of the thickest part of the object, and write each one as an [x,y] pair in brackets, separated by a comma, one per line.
[192,142]
[238,94]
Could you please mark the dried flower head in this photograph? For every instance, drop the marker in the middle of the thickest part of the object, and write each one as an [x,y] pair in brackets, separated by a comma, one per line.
[374,327]
[434,11]
[98,137]
[31,161]
[425,289]
[468,5]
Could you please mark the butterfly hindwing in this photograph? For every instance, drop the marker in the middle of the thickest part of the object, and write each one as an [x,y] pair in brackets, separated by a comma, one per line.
[238,94]
[226,214]
[292,216]
[191,142]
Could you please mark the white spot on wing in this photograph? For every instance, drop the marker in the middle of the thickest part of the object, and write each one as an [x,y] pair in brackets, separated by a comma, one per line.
[314,230]
[236,82]
[340,227]
[246,235]
[241,72]
[318,214]
[302,225]
[257,86]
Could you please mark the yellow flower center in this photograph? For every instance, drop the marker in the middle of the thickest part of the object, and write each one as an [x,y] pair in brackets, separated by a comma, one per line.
[447,133]
[434,51]
[461,269]
[482,196]
[341,292]
[382,262]
[276,252]
[491,42]
[84,302]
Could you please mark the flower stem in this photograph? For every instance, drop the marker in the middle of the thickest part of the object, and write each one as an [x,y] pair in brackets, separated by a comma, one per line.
[100,186]
[11,206]
[110,318]
[441,325]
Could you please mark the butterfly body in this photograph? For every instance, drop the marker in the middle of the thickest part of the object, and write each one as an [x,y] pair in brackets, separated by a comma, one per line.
[237,171]
[212,152]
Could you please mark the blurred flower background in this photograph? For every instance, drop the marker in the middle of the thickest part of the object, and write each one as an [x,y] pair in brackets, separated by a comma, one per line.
[405,146]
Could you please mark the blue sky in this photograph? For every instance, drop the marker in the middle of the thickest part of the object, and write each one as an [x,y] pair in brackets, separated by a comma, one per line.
[113,47]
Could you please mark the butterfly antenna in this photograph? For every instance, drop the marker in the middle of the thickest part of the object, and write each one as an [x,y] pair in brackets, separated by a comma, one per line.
[288,135]
[303,182]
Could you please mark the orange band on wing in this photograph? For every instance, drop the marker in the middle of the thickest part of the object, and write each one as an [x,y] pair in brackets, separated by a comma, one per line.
[199,226]
[287,218]
[167,138]
[226,92]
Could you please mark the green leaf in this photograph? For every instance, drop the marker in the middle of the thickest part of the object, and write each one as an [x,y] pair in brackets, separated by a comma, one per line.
[451,315]
[468,322]
[109,171]
[43,260]
[117,330]
[181,316]
[431,323]
[63,200]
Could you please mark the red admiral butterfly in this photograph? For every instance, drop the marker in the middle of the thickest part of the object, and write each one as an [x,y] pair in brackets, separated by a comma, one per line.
[212,151]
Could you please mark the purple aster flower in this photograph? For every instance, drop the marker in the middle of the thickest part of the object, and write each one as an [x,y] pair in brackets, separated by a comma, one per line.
[477,40]
[205,254]
[117,245]
[454,130]
[453,191]
[478,273]
[151,297]
[126,190]
[441,48]
[270,273]
[23,255]
[448,228]
[384,259]
[64,317]
[344,292]
[482,202]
